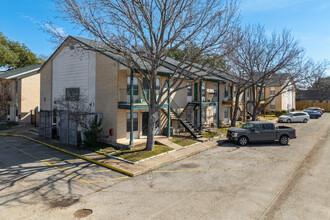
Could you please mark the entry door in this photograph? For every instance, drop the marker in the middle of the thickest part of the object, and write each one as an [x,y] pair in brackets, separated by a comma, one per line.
[226,116]
[195,92]
[145,119]
[135,125]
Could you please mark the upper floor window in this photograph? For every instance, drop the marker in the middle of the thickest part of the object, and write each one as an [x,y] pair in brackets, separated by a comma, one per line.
[272,91]
[226,92]
[135,86]
[72,94]
[189,89]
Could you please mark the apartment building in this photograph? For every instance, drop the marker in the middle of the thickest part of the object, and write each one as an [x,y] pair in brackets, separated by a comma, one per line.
[24,89]
[79,70]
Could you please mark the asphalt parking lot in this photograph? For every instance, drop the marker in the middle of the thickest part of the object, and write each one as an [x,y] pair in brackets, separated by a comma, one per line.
[228,182]
[31,173]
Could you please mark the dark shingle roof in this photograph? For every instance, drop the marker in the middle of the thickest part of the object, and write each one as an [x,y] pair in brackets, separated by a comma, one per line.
[20,73]
[310,94]
[167,68]
[101,47]
[274,80]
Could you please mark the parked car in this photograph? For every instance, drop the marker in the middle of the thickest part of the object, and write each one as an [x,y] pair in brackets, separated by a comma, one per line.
[294,117]
[321,110]
[313,114]
[260,131]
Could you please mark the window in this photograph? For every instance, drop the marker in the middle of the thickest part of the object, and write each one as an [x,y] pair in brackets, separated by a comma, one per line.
[157,84]
[226,92]
[135,122]
[272,91]
[135,86]
[157,87]
[204,114]
[269,127]
[203,92]
[226,112]
[258,127]
[72,94]
[272,107]
[214,114]
[247,126]
[215,91]
[234,94]
[189,89]
[16,86]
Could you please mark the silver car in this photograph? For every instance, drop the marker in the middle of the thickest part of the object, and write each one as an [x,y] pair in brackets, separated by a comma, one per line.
[294,117]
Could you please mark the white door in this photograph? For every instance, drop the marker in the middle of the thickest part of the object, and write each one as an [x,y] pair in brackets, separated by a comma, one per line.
[189,92]
[226,117]
[135,125]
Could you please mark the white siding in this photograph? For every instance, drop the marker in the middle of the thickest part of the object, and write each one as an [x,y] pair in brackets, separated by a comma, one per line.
[74,68]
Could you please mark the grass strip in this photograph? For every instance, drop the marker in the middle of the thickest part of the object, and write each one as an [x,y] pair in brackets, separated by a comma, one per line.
[136,155]
[183,141]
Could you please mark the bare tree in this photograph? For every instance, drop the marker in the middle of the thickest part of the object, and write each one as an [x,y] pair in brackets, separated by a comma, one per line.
[78,109]
[260,60]
[145,32]
[5,97]
[320,82]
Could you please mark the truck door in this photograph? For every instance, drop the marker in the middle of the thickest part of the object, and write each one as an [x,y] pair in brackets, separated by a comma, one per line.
[269,132]
[256,135]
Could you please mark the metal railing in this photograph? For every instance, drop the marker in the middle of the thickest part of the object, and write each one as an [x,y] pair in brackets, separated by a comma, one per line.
[125,96]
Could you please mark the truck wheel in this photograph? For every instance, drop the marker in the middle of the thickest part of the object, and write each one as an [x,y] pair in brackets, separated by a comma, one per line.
[288,121]
[242,141]
[305,120]
[284,140]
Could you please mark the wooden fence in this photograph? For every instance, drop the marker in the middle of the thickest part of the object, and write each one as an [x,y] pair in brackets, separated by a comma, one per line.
[303,105]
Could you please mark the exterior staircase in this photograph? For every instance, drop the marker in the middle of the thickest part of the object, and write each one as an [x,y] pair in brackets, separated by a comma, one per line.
[195,132]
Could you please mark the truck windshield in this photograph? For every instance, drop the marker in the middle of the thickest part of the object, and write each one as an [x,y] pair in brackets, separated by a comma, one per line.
[247,126]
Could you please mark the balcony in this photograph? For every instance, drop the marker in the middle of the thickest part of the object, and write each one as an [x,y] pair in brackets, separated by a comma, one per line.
[124,99]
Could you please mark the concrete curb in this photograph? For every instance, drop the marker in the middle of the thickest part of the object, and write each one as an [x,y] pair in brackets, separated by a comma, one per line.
[73,154]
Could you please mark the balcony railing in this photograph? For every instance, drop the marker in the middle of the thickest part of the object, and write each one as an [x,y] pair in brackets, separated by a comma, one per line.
[211,97]
[138,98]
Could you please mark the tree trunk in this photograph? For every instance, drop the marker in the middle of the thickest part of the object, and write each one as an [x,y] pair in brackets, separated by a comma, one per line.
[254,113]
[151,117]
[151,130]
[234,118]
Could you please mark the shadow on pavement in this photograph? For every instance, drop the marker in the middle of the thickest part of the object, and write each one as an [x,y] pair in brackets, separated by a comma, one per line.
[258,144]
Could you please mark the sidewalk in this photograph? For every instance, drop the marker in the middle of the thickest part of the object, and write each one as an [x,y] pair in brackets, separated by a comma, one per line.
[177,154]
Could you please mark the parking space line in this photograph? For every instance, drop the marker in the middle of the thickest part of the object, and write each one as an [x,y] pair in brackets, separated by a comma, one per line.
[119,178]
[98,171]
[187,171]
[64,171]
[233,156]
[61,161]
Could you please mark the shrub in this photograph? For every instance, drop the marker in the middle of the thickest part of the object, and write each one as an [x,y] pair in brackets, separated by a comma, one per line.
[279,113]
[92,135]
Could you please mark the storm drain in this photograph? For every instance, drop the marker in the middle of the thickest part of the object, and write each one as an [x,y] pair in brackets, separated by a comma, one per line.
[82,213]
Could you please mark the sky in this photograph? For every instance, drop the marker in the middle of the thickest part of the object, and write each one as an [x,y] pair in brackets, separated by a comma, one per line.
[308,20]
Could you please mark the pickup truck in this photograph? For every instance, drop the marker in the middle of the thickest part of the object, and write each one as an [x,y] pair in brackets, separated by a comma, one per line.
[260,131]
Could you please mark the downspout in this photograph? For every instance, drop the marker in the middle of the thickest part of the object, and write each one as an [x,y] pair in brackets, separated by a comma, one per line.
[131,109]
[168,109]
[218,112]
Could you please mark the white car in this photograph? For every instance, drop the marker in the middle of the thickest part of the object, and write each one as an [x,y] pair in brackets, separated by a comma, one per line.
[294,117]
